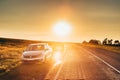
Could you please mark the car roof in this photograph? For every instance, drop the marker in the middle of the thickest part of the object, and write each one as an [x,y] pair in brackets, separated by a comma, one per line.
[38,44]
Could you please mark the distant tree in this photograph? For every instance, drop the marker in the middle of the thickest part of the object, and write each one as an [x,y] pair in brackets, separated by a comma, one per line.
[105,41]
[110,41]
[84,42]
[93,41]
[116,42]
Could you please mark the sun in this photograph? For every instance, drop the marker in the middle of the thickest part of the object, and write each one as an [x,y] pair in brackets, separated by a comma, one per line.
[62,28]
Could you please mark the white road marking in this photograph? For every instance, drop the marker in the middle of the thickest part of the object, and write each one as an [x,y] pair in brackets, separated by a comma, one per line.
[103,61]
[58,72]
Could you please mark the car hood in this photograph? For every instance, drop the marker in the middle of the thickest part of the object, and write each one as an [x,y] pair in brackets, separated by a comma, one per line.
[28,53]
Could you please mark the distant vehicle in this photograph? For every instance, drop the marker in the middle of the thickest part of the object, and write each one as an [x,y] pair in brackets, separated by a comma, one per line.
[37,52]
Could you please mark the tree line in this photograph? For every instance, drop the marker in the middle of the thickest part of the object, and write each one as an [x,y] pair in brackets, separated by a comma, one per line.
[106,41]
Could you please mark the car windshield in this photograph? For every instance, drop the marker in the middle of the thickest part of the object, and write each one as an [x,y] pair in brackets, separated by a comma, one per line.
[35,48]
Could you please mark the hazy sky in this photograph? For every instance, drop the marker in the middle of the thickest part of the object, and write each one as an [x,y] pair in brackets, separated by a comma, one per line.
[34,19]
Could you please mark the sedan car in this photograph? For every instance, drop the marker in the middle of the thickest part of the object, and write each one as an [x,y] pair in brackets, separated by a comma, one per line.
[37,52]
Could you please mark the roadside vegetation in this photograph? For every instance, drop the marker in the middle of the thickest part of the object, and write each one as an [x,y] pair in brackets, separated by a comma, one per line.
[9,58]
[107,44]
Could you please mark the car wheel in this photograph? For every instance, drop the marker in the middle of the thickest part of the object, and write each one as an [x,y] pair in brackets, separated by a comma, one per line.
[44,60]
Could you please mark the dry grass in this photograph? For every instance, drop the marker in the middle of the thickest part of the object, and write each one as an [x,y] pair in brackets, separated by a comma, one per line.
[110,48]
[9,58]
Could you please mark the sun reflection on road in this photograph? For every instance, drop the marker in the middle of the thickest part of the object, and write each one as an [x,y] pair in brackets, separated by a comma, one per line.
[57,63]
[57,58]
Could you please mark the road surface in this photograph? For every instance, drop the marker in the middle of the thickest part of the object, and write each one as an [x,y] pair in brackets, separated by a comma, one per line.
[79,63]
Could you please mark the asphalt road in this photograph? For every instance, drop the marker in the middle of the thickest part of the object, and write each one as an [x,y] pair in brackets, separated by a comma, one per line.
[79,63]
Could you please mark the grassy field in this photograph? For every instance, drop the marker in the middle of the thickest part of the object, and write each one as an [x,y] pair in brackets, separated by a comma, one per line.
[9,58]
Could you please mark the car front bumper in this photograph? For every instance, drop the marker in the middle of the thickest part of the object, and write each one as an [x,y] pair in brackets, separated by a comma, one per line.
[32,59]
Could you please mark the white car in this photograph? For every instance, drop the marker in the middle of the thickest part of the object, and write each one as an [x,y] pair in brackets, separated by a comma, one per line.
[37,52]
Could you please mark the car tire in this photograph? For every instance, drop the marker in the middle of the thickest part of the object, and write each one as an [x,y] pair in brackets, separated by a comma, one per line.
[44,60]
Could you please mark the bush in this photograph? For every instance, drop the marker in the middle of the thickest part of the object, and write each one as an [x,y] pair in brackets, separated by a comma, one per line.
[93,41]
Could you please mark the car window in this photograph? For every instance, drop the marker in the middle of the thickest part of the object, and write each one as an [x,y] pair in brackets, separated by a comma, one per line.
[36,48]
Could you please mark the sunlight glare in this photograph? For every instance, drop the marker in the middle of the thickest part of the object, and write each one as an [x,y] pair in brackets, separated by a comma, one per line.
[57,58]
[62,28]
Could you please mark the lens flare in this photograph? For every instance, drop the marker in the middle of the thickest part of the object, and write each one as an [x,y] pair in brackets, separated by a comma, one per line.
[57,58]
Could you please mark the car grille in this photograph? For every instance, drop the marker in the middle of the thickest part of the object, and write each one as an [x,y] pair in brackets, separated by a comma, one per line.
[32,56]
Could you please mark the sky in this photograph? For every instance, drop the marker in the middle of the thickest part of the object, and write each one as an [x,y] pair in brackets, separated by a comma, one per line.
[34,19]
